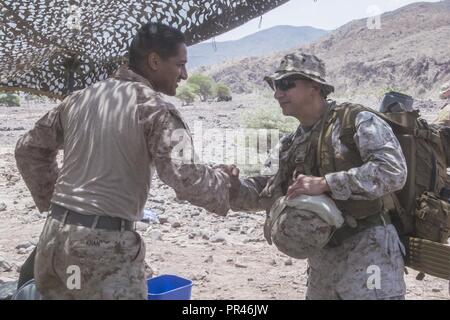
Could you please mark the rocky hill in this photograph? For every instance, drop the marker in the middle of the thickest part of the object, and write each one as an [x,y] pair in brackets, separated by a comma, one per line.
[410,52]
[258,44]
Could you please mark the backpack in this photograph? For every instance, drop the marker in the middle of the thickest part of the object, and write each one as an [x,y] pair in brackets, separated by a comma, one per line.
[420,211]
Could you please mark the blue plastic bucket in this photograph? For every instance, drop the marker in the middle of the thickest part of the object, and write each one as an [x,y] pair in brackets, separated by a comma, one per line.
[169,287]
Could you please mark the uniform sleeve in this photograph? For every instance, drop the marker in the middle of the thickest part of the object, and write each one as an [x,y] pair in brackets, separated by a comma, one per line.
[36,153]
[384,169]
[249,198]
[171,147]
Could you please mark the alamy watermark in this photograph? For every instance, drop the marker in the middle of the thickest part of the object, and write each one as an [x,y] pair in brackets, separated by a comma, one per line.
[73,281]
[374,19]
[242,147]
[374,279]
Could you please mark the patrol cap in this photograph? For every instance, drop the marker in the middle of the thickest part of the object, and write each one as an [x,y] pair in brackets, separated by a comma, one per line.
[303,65]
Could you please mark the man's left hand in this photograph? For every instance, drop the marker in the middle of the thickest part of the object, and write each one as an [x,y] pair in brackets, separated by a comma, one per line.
[308,185]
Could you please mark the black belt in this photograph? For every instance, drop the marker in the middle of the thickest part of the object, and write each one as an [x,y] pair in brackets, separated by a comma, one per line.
[67,216]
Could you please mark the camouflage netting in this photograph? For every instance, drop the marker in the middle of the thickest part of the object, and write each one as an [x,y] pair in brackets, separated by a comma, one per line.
[53,47]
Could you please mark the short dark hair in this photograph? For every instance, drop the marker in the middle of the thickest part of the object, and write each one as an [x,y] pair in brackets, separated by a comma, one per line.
[154,37]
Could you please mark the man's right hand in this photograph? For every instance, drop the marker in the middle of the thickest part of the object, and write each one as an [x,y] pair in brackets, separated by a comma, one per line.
[233,172]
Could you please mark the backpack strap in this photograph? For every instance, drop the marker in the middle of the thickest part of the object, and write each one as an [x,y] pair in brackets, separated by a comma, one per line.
[347,114]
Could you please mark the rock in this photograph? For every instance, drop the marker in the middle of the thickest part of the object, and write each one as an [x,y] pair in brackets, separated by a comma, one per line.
[157,258]
[30,206]
[234,228]
[199,276]
[7,290]
[175,224]
[244,229]
[191,235]
[209,259]
[163,219]
[273,262]
[149,272]
[155,235]
[249,240]
[175,199]
[5,265]
[205,236]
[2,206]
[288,262]
[240,265]
[159,209]
[5,280]
[250,279]
[220,236]
[233,214]
[436,290]
[141,226]
[157,200]
[34,216]
[150,216]
[195,214]
[26,245]
[25,251]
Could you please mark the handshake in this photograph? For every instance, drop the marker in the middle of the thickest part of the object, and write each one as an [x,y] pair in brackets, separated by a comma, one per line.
[302,184]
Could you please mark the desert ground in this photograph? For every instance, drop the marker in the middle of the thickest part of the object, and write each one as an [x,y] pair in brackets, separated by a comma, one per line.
[226,257]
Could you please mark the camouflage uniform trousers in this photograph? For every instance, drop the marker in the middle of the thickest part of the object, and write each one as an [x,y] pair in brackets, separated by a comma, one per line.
[348,271]
[110,263]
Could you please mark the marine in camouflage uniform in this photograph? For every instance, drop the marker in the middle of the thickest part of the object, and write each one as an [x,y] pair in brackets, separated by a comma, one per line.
[343,268]
[114,134]
[443,119]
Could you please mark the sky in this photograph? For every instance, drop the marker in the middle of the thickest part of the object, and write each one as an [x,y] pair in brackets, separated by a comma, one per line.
[322,14]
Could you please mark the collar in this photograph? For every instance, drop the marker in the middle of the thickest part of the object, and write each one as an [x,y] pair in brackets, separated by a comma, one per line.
[126,74]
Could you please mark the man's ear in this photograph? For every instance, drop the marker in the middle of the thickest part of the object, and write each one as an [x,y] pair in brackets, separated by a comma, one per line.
[153,61]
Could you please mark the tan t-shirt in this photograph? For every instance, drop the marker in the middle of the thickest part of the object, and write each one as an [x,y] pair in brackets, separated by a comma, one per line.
[114,135]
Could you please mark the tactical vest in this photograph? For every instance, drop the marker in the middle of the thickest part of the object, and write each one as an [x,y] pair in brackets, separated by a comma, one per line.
[321,160]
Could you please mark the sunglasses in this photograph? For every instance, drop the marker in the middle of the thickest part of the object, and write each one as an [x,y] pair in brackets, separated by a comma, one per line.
[284,84]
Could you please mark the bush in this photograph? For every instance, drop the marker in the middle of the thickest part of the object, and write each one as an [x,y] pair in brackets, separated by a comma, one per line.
[204,85]
[187,94]
[10,100]
[269,117]
[222,92]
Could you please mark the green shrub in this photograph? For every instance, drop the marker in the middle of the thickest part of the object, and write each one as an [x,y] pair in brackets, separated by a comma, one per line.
[187,93]
[269,117]
[222,92]
[204,85]
[10,100]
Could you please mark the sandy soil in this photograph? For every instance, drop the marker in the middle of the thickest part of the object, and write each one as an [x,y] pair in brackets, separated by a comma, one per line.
[227,258]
